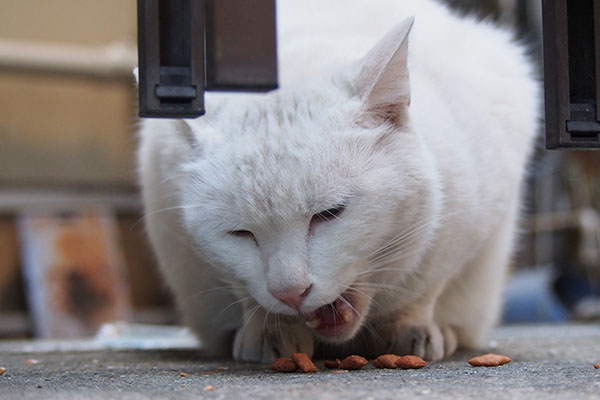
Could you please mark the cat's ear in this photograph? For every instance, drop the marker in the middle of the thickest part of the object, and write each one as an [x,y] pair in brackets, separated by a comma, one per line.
[383,79]
[184,130]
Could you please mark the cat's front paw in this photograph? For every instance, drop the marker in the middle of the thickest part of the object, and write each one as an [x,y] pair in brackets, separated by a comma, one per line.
[264,341]
[424,340]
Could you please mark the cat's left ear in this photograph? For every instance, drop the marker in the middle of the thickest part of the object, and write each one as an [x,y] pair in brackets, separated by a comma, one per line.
[383,79]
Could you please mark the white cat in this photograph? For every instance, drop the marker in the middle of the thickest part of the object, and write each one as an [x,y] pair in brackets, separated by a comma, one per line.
[371,202]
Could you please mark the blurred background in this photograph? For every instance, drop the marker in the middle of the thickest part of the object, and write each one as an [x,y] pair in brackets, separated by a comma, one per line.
[72,249]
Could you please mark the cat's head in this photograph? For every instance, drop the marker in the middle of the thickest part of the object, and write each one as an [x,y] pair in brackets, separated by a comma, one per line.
[317,198]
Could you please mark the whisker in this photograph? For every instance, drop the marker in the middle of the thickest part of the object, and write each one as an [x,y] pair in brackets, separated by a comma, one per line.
[348,304]
[165,209]
[392,249]
[411,230]
[334,312]
[190,207]
[167,179]
[395,262]
[203,292]
[354,289]
[252,312]
[231,305]
[398,240]
[281,335]
[266,327]
[374,333]
[393,256]
[388,288]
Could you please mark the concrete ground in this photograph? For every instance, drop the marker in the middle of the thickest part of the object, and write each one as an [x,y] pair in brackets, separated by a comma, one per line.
[550,362]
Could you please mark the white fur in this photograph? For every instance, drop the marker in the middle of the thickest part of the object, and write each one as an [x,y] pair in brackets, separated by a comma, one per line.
[432,190]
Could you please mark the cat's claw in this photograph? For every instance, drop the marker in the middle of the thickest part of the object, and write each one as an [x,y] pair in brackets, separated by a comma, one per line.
[450,340]
[423,341]
[427,340]
[265,342]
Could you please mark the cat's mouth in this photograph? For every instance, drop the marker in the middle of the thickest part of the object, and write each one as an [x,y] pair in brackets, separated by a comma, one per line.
[335,320]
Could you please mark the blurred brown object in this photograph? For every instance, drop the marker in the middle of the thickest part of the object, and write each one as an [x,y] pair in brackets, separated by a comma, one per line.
[65,131]
[149,296]
[67,93]
[150,300]
[11,291]
[67,134]
[563,228]
[74,272]
[68,21]
[13,320]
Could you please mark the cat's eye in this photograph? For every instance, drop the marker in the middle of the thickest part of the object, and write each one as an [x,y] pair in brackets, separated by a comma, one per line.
[329,214]
[243,234]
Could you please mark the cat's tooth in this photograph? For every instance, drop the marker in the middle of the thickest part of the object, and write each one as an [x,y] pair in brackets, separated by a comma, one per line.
[348,317]
[313,323]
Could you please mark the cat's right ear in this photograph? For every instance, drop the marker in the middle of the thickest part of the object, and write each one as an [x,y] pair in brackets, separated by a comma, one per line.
[182,127]
[185,131]
[383,79]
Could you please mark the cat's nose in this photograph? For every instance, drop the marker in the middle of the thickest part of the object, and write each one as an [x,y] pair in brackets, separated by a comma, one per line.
[293,297]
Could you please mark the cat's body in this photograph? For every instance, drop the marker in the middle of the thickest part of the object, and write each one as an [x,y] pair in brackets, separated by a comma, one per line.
[424,179]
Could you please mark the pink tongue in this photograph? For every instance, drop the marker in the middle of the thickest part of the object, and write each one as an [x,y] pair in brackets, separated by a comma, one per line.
[329,315]
[332,314]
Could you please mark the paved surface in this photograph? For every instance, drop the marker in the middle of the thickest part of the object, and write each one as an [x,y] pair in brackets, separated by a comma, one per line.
[550,362]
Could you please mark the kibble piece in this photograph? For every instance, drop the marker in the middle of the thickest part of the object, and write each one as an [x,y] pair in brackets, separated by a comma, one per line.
[353,362]
[2,371]
[184,374]
[597,366]
[386,361]
[304,362]
[209,388]
[332,364]
[410,362]
[489,360]
[284,364]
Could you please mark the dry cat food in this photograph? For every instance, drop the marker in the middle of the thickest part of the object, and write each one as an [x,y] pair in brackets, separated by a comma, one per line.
[284,364]
[332,364]
[597,366]
[304,362]
[2,371]
[184,374]
[386,361]
[353,362]
[393,361]
[410,362]
[489,360]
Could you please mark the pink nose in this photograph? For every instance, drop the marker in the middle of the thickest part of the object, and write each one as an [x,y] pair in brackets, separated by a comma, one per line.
[293,297]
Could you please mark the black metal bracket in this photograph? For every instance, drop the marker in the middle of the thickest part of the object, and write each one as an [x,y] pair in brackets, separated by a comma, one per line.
[571,71]
[188,46]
